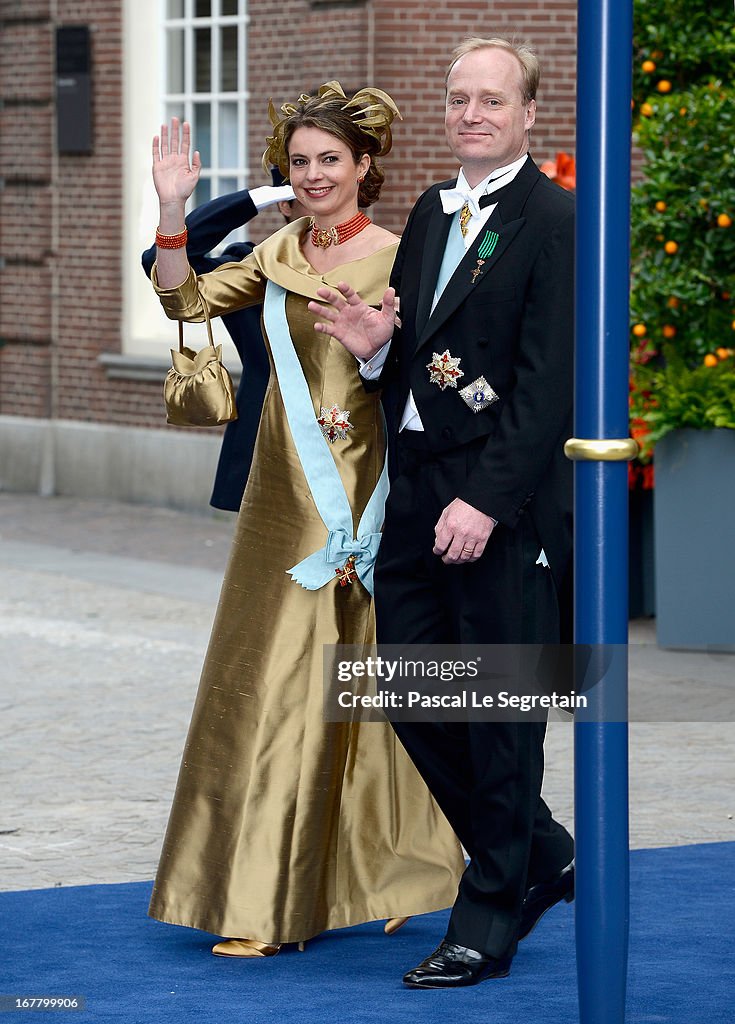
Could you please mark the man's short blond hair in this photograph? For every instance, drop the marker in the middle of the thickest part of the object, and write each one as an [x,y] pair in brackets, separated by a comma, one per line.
[530,70]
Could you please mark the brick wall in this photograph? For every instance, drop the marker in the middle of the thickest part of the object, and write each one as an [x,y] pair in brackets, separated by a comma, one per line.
[295,47]
[412,45]
[61,226]
[404,49]
[26,85]
[61,219]
[89,261]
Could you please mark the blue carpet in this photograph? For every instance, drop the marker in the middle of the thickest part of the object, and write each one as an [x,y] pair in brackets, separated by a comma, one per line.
[96,941]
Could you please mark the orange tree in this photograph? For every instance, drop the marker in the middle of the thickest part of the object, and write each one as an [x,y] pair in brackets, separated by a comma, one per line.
[683,235]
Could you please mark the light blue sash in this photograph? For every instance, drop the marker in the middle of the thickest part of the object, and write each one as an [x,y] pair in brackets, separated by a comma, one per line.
[319,467]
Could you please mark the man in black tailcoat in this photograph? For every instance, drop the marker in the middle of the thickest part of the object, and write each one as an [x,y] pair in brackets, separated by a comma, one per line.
[476,548]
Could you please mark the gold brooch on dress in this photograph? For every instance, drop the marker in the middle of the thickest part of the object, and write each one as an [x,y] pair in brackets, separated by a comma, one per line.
[335,423]
[347,574]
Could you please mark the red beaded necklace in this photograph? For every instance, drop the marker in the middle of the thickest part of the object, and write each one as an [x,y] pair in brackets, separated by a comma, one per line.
[338,234]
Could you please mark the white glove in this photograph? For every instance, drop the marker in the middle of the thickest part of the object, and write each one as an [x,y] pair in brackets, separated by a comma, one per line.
[267,195]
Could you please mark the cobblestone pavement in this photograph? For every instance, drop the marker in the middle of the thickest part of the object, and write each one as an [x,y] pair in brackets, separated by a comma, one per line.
[105,611]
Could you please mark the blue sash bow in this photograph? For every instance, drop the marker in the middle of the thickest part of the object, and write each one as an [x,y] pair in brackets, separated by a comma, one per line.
[319,467]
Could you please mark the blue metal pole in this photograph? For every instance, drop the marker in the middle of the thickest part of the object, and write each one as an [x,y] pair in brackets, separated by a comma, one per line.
[601,577]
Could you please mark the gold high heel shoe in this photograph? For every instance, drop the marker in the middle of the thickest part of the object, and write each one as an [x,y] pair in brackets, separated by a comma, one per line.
[248,948]
[394,923]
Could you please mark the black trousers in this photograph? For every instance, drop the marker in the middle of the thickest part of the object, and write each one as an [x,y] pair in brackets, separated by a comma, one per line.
[486,776]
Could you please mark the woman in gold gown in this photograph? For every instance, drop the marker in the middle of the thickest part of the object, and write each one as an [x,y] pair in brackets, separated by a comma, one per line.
[285,825]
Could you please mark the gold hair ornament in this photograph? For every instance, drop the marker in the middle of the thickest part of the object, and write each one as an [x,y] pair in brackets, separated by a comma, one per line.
[372,110]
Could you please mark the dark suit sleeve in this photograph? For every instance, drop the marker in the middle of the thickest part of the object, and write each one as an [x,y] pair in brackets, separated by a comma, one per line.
[397,269]
[208,225]
[537,415]
[391,363]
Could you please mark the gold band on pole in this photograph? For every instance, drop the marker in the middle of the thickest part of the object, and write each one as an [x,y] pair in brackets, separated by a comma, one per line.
[621,449]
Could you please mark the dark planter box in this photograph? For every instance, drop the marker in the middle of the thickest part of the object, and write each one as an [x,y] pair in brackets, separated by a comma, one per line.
[642,585]
[694,505]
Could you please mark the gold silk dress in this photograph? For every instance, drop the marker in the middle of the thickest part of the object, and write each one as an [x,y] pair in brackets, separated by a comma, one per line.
[284,825]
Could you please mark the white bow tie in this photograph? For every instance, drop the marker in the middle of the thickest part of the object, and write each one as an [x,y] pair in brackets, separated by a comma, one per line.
[453,199]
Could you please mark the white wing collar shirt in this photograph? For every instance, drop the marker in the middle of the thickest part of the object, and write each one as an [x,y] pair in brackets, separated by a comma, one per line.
[453,199]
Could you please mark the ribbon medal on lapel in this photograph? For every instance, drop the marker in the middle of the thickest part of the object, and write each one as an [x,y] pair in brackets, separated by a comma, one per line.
[478,395]
[444,369]
[487,245]
[335,423]
[484,252]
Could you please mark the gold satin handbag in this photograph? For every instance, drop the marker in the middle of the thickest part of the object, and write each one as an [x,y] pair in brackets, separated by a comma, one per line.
[198,390]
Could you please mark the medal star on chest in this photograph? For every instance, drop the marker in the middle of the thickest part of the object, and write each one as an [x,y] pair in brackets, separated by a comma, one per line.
[444,369]
[335,423]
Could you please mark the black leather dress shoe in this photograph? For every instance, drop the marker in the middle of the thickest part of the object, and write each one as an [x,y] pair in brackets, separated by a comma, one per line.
[543,897]
[452,966]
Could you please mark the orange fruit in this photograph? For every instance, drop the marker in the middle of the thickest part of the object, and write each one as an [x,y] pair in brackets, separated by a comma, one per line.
[639,330]
[670,247]
[660,206]
[710,360]
[682,110]
[657,54]
[723,353]
[725,296]
[646,109]
[668,330]
[723,220]
[672,302]
[664,85]
[648,66]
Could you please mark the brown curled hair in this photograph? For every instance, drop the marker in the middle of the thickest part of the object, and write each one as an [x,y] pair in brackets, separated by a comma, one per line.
[363,123]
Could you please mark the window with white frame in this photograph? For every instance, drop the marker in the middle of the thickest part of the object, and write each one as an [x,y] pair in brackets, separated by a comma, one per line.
[204,82]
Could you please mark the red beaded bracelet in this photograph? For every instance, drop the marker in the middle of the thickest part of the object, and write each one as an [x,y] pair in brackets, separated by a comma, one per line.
[171,241]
